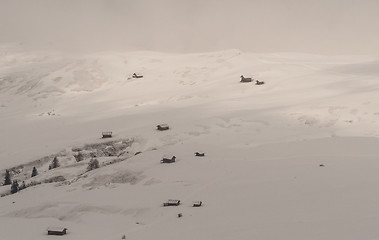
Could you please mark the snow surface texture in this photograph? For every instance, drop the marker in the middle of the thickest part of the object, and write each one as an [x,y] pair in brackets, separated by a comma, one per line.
[295,158]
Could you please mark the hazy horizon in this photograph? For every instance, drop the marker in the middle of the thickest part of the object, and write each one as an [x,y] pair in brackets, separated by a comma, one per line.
[322,27]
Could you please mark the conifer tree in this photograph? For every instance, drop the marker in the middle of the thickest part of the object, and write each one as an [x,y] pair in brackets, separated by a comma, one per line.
[23,186]
[93,164]
[7,179]
[54,163]
[79,157]
[14,187]
[34,172]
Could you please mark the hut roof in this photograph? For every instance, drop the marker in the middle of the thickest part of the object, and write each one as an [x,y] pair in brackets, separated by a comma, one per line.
[168,156]
[58,229]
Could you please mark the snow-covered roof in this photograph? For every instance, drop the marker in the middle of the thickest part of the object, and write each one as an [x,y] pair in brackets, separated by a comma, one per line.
[58,229]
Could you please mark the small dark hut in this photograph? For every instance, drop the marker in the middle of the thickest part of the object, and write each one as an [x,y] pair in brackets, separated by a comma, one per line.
[135,75]
[197,204]
[259,82]
[163,127]
[171,202]
[57,231]
[197,154]
[243,79]
[107,134]
[168,160]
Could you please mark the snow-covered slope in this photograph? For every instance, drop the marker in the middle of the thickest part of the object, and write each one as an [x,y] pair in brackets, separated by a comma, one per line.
[260,177]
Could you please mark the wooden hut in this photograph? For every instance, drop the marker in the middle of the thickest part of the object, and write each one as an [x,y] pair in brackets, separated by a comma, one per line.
[163,127]
[57,231]
[198,154]
[168,159]
[197,204]
[243,79]
[171,202]
[107,134]
[136,75]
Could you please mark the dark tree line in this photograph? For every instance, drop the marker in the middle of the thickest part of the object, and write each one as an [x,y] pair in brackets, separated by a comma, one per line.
[15,186]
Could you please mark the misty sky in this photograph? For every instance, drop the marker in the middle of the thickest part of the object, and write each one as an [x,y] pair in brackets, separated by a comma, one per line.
[315,26]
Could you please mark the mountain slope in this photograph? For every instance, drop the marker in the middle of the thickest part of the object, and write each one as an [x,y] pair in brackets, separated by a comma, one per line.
[294,158]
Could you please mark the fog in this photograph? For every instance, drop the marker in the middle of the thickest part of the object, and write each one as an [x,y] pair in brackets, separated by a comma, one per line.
[322,26]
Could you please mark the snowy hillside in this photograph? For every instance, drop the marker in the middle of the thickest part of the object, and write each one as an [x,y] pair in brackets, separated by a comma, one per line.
[294,158]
